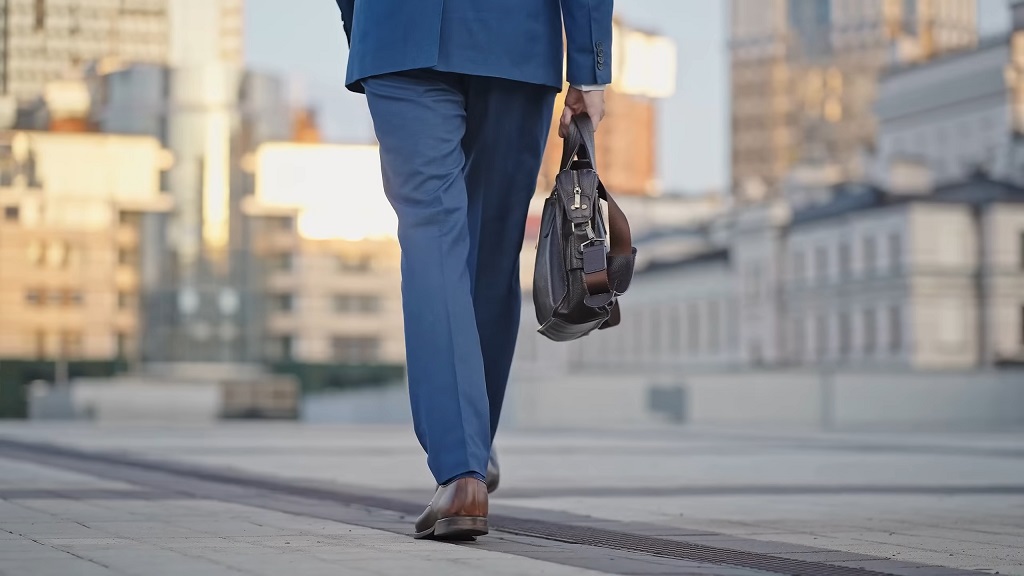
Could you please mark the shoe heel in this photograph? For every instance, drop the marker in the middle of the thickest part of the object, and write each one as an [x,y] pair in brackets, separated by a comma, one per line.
[460,527]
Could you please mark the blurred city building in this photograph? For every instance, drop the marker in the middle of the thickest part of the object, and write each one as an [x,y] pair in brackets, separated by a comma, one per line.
[212,118]
[644,69]
[956,114]
[324,244]
[73,242]
[805,76]
[896,308]
[46,40]
[886,291]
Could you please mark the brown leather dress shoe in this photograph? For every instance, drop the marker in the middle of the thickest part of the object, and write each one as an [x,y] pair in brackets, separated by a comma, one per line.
[458,511]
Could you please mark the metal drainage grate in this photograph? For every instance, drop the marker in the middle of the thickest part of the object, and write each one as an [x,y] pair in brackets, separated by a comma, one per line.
[675,549]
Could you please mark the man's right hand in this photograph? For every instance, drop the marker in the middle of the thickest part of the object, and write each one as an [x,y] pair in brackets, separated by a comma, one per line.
[577,101]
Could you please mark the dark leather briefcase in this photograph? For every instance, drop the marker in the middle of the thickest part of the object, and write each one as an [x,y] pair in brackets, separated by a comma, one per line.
[583,266]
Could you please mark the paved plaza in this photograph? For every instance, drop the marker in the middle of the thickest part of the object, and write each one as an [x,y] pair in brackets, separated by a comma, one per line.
[274,499]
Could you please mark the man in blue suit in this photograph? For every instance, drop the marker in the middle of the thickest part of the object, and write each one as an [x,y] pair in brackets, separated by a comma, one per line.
[461,95]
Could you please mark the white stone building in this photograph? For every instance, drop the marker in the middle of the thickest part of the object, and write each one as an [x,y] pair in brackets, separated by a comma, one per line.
[872,309]
[959,111]
[880,280]
[896,299]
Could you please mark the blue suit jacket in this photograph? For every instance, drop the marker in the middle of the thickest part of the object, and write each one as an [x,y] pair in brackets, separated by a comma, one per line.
[513,39]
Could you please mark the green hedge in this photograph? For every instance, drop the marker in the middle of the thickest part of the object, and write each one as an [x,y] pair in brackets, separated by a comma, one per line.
[15,375]
[316,377]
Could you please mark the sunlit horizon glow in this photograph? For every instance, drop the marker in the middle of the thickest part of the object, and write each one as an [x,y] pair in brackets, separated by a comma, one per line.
[643,64]
[336,188]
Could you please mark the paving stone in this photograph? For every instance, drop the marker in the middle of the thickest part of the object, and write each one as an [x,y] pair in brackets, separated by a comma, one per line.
[27,549]
[151,561]
[76,510]
[50,529]
[19,512]
[65,566]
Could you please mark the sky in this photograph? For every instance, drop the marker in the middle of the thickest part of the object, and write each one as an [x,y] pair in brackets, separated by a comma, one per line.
[305,44]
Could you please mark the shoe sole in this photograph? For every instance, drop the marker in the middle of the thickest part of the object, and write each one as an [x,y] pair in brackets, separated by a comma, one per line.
[459,528]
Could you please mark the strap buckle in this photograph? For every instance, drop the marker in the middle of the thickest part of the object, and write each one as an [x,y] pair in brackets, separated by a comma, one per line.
[592,238]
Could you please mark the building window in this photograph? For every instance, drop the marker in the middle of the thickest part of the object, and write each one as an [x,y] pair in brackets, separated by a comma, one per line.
[799,339]
[675,332]
[279,348]
[870,255]
[354,303]
[12,213]
[844,261]
[870,331]
[125,257]
[40,14]
[41,345]
[732,326]
[639,325]
[657,343]
[35,297]
[754,283]
[58,254]
[37,253]
[844,334]
[281,262]
[355,350]
[799,267]
[821,264]
[895,252]
[353,263]
[821,336]
[283,223]
[1022,327]
[714,328]
[895,329]
[1022,250]
[68,297]
[910,17]
[283,302]
[123,300]
[122,345]
[71,344]
[693,329]
[132,219]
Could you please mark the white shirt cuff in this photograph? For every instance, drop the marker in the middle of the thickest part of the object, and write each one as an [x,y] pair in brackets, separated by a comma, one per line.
[588,87]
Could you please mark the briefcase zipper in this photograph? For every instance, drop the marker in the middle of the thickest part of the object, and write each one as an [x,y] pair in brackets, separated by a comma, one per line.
[576,190]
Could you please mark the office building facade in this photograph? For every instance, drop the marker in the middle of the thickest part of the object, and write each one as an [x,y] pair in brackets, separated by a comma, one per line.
[47,40]
[959,113]
[805,75]
[212,118]
[73,261]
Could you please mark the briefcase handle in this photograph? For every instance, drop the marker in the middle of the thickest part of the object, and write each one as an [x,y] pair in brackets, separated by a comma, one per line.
[579,143]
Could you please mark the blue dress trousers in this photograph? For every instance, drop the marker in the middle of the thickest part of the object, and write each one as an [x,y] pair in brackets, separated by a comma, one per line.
[461,95]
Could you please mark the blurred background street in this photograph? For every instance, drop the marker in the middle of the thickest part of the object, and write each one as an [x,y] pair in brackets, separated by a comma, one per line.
[821,355]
